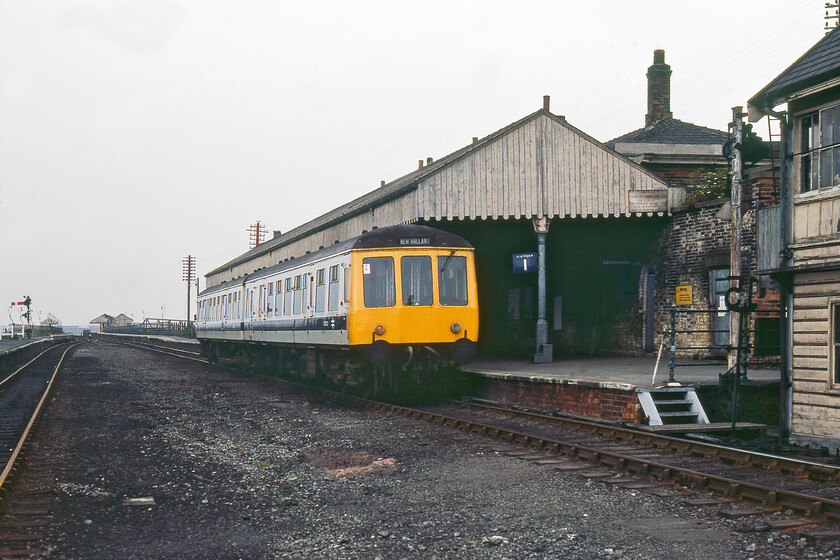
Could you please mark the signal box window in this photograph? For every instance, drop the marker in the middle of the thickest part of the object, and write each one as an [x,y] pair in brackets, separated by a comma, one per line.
[332,295]
[378,281]
[819,148]
[416,274]
[835,342]
[320,290]
[452,280]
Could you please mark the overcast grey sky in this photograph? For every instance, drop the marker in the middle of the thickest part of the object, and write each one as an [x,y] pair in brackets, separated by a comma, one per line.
[135,132]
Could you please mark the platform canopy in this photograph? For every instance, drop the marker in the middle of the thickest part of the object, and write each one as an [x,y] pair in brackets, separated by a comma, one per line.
[103,319]
[539,166]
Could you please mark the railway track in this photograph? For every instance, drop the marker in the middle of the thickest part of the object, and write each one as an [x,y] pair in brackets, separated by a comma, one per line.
[640,459]
[23,395]
[771,483]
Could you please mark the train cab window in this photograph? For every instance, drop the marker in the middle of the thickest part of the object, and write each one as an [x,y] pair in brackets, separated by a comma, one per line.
[332,296]
[298,294]
[416,275]
[452,280]
[320,290]
[379,283]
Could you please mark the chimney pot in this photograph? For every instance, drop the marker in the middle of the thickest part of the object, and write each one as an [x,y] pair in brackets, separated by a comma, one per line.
[659,89]
[475,139]
[277,233]
[429,160]
[546,102]
[382,183]
[420,164]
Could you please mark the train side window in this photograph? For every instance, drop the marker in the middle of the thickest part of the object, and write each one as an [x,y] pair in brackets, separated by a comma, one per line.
[416,275]
[378,281]
[320,290]
[261,303]
[333,290]
[287,298]
[270,301]
[224,307]
[278,297]
[298,294]
[307,292]
[452,280]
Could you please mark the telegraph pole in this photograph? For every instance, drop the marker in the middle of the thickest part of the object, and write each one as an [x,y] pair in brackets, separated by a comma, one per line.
[188,264]
[832,12]
[257,236]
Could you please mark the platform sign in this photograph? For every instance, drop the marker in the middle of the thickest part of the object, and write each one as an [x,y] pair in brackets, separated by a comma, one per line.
[684,295]
[524,262]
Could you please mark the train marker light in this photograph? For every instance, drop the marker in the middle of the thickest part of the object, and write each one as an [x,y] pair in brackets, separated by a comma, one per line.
[456,328]
[379,330]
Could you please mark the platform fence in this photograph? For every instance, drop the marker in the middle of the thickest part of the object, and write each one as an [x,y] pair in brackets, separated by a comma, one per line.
[20,330]
[159,327]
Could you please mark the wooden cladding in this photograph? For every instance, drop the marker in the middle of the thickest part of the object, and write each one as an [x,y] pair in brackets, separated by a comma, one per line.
[542,168]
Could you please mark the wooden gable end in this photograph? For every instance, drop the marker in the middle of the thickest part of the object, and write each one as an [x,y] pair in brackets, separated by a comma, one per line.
[541,168]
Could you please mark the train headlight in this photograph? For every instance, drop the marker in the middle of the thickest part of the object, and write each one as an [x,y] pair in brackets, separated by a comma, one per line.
[455,327]
[379,330]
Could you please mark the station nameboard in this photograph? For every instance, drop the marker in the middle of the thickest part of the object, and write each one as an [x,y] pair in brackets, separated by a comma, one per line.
[648,201]
[524,262]
[684,295]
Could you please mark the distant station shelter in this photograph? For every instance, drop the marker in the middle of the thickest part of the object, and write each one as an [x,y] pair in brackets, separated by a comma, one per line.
[564,230]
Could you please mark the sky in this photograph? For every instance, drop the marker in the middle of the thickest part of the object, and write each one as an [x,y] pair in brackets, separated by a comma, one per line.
[136,132]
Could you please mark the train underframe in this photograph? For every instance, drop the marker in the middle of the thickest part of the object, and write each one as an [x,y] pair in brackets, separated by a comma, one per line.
[377,369]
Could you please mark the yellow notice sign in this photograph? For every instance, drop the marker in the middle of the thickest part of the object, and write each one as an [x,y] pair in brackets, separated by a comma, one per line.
[684,295]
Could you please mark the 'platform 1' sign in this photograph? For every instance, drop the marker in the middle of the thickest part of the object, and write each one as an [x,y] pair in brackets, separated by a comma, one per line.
[524,262]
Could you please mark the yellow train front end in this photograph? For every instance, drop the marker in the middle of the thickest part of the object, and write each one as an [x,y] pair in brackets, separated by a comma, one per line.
[414,303]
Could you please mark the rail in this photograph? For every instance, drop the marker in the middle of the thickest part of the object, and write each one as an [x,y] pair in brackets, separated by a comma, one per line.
[8,470]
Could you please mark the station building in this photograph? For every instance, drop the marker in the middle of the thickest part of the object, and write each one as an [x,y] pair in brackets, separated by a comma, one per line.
[539,179]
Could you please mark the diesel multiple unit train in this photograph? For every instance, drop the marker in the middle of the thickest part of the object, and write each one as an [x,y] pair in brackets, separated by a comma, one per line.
[394,305]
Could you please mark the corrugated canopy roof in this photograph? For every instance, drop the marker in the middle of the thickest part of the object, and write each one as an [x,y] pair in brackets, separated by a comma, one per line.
[405,184]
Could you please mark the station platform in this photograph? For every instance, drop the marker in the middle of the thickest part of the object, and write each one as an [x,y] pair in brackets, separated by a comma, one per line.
[625,373]
[612,389]
[16,352]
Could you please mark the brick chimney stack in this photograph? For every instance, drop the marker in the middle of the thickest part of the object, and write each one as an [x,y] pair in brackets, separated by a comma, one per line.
[659,89]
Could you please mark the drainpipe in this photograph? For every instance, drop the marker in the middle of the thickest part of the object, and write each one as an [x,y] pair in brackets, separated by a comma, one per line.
[785,292]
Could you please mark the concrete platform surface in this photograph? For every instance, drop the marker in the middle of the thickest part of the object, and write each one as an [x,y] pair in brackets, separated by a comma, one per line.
[611,372]
[8,345]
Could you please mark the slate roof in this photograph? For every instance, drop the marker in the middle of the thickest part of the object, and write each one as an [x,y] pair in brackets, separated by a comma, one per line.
[820,64]
[671,131]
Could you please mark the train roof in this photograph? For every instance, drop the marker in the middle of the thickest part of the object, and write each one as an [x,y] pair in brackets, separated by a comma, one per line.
[404,235]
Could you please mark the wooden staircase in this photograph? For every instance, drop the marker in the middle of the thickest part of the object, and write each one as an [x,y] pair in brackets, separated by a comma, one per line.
[671,405]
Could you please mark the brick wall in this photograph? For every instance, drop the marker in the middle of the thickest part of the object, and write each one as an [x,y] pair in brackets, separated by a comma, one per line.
[697,240]
[615,405]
